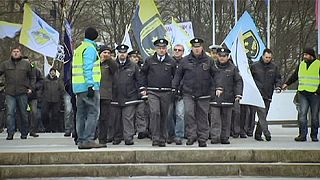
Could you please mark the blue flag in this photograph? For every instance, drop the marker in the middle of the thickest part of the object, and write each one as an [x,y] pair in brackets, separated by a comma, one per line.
[253,43]
[67,44]
[147,27]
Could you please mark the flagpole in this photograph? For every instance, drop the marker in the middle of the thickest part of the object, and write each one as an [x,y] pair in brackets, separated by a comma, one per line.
[213,24]
[235,12]
[268,24]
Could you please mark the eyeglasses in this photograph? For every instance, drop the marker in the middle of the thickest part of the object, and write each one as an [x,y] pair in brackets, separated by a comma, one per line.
[177,49]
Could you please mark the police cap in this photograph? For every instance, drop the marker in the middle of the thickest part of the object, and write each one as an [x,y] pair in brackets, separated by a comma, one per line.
[223,51]
[196,42]
[214,48]
[133,52]
[160,43]
[122,48]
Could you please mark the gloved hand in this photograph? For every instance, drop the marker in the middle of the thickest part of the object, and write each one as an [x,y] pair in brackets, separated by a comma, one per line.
[238,98]
[90,92]
[278,90]
[219,92]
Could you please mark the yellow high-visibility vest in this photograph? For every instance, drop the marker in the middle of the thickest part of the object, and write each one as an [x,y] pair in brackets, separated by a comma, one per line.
[309,78]
[78,79]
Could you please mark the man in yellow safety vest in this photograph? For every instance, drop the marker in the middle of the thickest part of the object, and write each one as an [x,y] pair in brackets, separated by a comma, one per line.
[308,74]
[86,77]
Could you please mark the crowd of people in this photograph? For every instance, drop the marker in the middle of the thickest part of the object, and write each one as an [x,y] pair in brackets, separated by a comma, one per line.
[117,95]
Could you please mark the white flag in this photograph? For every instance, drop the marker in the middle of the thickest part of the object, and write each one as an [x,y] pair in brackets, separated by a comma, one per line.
[126,39]
[9,29]
[251,94]
[46,66]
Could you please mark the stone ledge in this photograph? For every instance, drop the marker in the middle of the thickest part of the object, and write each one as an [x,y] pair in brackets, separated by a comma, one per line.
[172,169]
[160,156]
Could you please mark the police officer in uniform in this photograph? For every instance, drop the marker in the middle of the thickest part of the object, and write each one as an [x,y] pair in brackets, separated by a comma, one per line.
[158,71]
[228,88]
[125,96]
[141,119]
[213,51]
[195,73]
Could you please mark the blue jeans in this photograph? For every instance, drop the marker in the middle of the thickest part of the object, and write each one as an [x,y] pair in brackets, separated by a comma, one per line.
[179,130]
[176,120]
[20,101]
[68,119]
[88,111]
[311,101]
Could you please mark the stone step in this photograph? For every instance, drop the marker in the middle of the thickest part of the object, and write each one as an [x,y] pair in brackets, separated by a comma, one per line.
[160,169]
[160,156]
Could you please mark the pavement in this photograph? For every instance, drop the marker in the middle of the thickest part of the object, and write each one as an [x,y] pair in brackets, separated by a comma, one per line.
[282,138]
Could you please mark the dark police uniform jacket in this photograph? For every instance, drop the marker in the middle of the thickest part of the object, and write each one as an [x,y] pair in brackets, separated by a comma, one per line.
[158,75]
[125,85]
[196,75]
[230,81]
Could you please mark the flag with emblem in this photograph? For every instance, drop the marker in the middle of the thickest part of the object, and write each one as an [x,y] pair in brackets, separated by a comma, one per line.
[37,35]
[147,27]
[250,94]
[253,43]
[9,29]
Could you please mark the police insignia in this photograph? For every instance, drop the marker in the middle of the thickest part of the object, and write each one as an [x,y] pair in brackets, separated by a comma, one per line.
[205,66]
[251,44]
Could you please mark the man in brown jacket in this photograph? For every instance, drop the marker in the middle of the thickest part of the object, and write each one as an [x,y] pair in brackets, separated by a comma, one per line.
[20,81]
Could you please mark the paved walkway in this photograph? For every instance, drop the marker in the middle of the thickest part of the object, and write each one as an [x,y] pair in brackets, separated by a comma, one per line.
[282,138]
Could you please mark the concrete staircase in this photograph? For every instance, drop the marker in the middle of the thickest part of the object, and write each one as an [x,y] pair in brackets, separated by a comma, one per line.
[161,162]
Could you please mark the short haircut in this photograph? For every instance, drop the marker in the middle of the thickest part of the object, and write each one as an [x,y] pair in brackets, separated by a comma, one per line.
[267,51]
[180,45]
[16,48]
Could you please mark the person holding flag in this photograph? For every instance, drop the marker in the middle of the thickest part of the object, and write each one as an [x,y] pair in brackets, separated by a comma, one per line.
[267,77]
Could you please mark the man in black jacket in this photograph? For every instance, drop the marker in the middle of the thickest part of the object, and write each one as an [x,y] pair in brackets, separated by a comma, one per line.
[267,78]
[158,72]
[108,68]
[231,85]
[52,92]
[125,96]
[195,73]
[33,99]
[20,81]
[141,116]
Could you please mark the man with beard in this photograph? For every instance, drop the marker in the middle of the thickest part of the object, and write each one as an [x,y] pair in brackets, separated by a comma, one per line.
[308,74]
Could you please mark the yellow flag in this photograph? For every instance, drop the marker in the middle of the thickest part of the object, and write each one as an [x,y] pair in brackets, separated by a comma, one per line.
[37,35]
